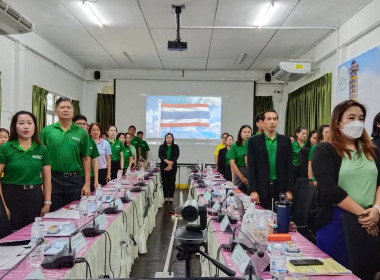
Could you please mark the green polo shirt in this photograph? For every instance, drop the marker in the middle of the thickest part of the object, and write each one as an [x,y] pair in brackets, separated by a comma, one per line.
[94,153]
[116,148]
[358,177]
[144,148]
[168,152]
[311,153]
[272,153]
[127,153]
[237,153]
[66,148]
[136,142]
[296,152]
[23,167]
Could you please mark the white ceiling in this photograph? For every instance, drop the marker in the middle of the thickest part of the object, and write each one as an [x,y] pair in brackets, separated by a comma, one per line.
[141,28]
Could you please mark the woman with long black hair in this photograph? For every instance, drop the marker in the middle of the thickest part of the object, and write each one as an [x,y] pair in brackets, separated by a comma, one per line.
[117,148]
[26,165]
[168,154]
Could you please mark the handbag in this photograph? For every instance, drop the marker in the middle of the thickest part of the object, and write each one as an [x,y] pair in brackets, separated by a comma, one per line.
[142,163]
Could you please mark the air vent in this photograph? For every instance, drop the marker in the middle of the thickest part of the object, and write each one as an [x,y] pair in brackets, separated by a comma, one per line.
[12,12]
[26,22]
[12,22]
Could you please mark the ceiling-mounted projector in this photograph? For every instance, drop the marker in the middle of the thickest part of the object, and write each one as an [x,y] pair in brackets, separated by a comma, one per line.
[177,45]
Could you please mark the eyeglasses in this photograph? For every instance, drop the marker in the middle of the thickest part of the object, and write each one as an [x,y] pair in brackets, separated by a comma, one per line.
[81,123]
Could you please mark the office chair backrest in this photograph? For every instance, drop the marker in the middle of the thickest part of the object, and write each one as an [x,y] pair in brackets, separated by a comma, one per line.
[5,228]
[303,205]
[363,249]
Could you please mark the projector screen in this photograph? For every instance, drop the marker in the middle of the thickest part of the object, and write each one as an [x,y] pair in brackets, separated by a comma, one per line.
[135,99]
[187,117]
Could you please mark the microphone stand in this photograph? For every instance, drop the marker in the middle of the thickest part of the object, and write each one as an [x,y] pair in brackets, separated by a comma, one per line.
[38,243]
[221,215]
[93,229]
[112,209]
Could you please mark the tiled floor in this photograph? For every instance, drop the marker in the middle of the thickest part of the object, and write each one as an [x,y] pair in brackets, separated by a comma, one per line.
[157,245]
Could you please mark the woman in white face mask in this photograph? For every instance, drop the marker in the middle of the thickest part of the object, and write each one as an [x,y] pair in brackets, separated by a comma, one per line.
[346,168]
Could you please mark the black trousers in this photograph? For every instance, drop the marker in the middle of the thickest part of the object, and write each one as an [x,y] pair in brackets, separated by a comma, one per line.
[65,190]
[296,173]
[24,205]
[115,167]
[168,182]
[102,176]
[266,202]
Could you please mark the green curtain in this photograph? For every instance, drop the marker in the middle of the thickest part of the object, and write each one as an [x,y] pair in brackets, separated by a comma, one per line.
[262,103]
[310,105]
[39,105]
[76,107]
[105,110]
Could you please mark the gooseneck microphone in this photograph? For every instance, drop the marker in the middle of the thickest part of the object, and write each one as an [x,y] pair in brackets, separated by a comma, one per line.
[92,229]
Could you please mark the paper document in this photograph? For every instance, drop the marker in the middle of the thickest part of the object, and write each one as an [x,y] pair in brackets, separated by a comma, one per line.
[10,255]
[329,267]
[63,214]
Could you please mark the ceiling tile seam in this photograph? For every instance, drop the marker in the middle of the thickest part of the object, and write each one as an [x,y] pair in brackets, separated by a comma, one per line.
[90,34]
[212,33]
[150,34]
[273,35]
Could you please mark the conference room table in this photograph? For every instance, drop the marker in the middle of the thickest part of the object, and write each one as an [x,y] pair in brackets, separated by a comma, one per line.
[216,237]
[120,227]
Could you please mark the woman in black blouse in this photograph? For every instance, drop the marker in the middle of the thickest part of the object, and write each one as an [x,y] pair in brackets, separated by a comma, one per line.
[168,154]
[224,167]
[376,131]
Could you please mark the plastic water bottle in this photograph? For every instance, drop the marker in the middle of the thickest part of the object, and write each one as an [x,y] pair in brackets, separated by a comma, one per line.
[129,172]
[37,256]
[261,228]
[277,262]
[119,175]
[230,205]
[83,210]
[99,195]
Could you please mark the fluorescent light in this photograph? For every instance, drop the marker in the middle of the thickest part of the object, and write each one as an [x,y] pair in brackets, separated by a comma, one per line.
[240,58]
[265,14]
[127,56]
[90,11]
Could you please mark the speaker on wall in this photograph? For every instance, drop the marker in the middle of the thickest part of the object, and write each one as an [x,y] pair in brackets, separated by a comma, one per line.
[96,75]
[268,77]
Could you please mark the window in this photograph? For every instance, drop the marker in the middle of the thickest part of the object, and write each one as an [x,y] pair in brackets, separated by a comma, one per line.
[51,117]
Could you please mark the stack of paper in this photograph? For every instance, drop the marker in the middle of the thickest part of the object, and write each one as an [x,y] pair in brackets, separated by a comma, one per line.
[63,214]
[329,267]
[10,256]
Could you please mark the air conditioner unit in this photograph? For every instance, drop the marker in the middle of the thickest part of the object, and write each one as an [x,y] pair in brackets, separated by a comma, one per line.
[12,22]
[290,71]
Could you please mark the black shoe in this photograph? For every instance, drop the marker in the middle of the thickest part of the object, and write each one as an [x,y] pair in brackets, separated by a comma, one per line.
[170,201]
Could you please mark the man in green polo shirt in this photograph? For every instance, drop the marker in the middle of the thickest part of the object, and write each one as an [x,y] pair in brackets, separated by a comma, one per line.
[135,142]
[69,151]
[270,162]
[144,145]
[81,121]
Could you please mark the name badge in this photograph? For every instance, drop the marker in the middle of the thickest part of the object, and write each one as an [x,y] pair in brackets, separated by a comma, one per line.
[118,203]
[216,206]
[207,196]
[240,259]
[101,220]
[225,224]
[129,194]
[37,274]
[78,242]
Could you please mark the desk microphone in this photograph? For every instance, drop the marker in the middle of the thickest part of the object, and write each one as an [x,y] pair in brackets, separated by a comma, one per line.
[125,198]
[114,209]
[250,248]
[232,219]
[253,271]
[38,243]
[92,229]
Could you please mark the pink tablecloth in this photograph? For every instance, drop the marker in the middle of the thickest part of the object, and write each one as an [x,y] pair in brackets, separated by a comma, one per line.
[24,268]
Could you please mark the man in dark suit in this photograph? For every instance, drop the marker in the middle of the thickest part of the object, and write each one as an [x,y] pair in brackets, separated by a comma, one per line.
[269,159]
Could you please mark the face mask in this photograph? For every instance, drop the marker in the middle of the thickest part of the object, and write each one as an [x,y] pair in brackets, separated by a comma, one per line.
[353,129]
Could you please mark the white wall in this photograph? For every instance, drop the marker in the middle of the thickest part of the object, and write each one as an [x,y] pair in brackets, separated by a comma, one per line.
[27,60]
[357,35]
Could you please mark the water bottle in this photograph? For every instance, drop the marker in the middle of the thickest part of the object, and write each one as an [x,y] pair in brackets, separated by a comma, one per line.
[83,210]
[37,256]
[129,172]
[230,205]
[261,228]
[99,196]
[277,262]
[119,175]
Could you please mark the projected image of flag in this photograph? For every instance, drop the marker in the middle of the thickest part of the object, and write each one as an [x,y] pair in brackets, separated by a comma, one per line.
[185,115]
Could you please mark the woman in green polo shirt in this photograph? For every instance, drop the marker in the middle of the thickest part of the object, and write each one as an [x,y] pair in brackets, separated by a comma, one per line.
[23,159]
[127,153]
[128,139]
[117,148]
[323,135]
[301,137]
[237,161]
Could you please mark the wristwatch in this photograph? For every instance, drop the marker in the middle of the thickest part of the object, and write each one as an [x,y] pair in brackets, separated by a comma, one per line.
[377,207]
[47,202]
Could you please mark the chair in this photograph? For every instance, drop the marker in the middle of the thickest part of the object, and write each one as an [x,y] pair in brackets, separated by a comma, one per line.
[363,249]
[303,211]
[5,228]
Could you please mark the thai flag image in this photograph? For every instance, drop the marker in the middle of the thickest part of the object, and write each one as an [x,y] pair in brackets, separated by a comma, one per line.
[182,115]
